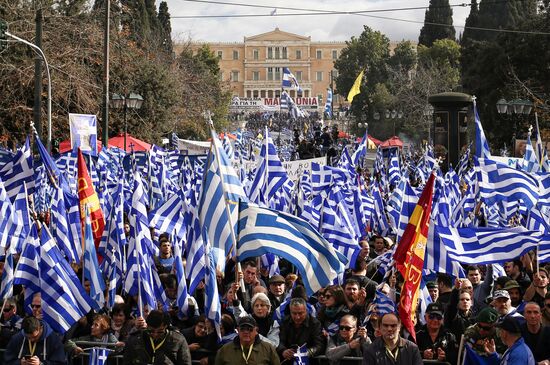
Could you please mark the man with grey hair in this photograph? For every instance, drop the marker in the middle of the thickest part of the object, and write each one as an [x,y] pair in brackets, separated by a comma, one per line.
[298,329]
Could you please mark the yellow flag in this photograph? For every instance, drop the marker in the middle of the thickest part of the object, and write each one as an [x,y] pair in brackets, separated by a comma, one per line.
[356,88]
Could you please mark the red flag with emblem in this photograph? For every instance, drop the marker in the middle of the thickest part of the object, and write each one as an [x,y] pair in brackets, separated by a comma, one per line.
[409,256]
[88,196]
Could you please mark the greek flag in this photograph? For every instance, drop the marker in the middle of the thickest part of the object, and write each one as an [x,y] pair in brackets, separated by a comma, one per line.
[263,230]
[383,304]
[301,357]
[482,147]
[270,175]
[91,265]
[8,219]
[361,150]
[530,161]
[221,186]
[212,305]
[290,81]
[18,171]
[499,182]
[463,163]
[60,228]
[26,272]
[484,245]
[98,356]
[64,300]
[195,256]
[6,281]
[182,294]
[394,169]
[169,217]
[437,258]
[328,104]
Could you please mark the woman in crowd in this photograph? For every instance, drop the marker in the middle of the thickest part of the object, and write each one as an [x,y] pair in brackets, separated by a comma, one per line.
[335,307]
[121,324]
[100,332]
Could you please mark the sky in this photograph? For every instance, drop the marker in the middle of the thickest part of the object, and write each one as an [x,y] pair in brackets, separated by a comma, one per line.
[331,27]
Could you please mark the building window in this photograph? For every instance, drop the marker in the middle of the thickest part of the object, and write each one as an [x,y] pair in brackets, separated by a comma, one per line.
[255,75]
[299,75]
[235,76]
[277,73]
[319,54]
[270,74]
[235,55]
[285,53]
[277,53]
[255,54]
[334,54]
[319,76]
[298,54]
[255,94]
[220,54]
[270,53]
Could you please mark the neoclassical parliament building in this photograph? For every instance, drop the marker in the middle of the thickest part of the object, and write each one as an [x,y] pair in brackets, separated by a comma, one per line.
[254,68]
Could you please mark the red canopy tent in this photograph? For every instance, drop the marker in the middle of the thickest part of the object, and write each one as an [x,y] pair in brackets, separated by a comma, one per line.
[342,134]
[371,138]
[131,142]
[392,142]
[117,141]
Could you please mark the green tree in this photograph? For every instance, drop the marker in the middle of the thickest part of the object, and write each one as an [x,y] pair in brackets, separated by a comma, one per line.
[438,23]
[369,52]
[165,30]
[404,57]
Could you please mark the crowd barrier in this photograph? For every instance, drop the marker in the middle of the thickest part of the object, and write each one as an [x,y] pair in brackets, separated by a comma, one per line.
[83,359]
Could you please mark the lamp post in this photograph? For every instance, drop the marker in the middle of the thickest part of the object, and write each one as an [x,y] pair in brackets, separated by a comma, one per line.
[132,101]
[513,107]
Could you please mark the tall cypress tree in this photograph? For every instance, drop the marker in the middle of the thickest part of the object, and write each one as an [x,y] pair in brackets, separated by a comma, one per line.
[471,21]
[165,29]
[439,12]
[503,15]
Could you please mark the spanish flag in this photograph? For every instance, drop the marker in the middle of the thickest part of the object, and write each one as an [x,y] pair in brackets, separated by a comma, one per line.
[88,197]
[409,256]
[356,88]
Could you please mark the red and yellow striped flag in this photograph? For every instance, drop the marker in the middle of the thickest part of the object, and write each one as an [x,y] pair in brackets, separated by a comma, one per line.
[88,196]
[409,256]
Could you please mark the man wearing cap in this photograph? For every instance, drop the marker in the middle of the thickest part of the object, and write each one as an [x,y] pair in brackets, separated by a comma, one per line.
[484,331]
[516,296]
[433,340]
[518,353]
[247,348]
[276,290]
[503,305]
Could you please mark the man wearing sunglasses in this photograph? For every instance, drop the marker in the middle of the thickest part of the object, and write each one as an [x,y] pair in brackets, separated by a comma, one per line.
[433,340]
[247,348]
[10,322]
[348,341]
[478,335]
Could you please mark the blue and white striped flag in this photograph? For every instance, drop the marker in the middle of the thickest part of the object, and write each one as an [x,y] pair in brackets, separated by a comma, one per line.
[64,300]
[489,245]
[383,304]
[18,171]
[482,147]
[26,272]
[361,150]
[301,356]
[263,230]
[328,104]
[221,186]
[182,294]
[212,305]
[437,258]
[6,281]
[91,265]
[60,228]
[98,356]
[530,162]
[289,80]
[499,182]
[195,268]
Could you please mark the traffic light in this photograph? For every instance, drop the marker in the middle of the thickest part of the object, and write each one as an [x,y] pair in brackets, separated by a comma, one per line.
[3,37]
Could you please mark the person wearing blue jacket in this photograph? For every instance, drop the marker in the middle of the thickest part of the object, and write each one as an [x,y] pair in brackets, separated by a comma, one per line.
[35,344]
[518,353]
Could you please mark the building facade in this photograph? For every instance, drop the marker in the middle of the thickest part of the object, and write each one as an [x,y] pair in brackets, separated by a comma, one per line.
[254,68]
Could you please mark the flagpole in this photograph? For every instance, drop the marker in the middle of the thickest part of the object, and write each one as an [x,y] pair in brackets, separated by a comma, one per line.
[227,211]
[267,162]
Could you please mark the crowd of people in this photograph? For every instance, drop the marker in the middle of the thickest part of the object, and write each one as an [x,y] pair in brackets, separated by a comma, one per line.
[271,319]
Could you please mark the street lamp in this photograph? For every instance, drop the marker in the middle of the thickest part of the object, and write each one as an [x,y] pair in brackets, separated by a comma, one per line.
[132,101]
[514,107]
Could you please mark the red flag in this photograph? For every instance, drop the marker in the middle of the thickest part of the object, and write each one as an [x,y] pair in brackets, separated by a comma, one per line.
[409,256]
[88,196]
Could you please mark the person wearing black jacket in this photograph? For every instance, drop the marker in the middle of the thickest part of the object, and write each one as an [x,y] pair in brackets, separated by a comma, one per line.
[298,329]
[433,340]
[157,344]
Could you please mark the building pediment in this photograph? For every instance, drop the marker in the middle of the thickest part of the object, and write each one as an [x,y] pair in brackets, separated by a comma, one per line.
[277,35]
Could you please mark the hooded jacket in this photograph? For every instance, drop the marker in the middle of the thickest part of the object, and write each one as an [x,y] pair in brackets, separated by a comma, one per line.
[49,348]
